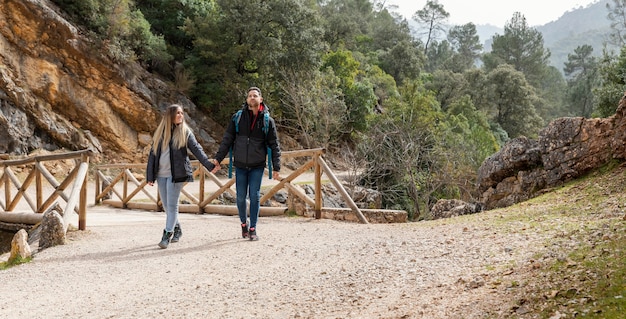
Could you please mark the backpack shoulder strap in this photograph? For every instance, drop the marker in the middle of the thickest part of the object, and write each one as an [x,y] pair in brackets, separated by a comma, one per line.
[266,122]
[236,119]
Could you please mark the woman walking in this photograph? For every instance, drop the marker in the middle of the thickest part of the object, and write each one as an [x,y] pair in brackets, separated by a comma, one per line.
[170,167]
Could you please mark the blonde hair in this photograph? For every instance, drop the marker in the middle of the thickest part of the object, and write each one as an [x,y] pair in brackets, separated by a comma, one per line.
[167,130]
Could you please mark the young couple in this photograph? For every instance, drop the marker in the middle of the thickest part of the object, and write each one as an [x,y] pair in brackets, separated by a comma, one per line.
[250,135]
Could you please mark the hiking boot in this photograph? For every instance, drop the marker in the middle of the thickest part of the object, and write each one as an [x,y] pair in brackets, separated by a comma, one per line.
[165,240]
[178,232]
[253,235]
[244,230]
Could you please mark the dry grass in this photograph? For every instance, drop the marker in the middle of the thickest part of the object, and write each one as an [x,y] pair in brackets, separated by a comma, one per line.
[582,269]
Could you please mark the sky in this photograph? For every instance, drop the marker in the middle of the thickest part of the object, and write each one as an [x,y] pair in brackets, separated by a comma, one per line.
[495,12]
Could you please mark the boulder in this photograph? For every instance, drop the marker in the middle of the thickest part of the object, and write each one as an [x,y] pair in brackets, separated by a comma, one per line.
[446,208]
[19,246]
[52,228]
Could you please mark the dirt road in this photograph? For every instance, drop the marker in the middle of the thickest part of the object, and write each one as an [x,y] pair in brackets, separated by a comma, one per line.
[300,268]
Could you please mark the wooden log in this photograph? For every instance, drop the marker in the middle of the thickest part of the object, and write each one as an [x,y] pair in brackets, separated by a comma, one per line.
[44,158]
[318,189]
[75,194]
[20,217]
[287,179]
[218,192]
[231,210]
[342,190]
[299,193]
[110,187]
[131,205]
[21,192]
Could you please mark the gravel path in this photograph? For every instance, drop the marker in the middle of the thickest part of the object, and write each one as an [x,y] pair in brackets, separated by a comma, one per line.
[300,268]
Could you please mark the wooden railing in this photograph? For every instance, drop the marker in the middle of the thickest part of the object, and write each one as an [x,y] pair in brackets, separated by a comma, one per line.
[132,192]
[75,182]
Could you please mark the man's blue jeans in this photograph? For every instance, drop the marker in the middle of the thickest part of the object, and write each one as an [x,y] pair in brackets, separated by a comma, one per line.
[248,183]
[170,193]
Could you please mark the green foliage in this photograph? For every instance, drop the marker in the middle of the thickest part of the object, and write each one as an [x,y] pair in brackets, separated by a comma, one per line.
[612,83]
[582,72]
[343,65]
[439,56]
[431,19]
[471,133]
[167,19]
[244,43]
[403,61]
[617,15]
[466,43]
[514,102]
[124,31]
[397,149]
[521,47]
[360,101]
[551,95]
[447,87]
[345,22]
[315,119]
[415,153]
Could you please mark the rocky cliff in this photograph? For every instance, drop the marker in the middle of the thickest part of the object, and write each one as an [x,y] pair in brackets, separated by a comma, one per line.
[57,90]
[566,149]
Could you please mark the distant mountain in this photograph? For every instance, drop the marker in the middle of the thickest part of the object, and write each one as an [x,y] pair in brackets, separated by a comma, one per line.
[589,25]
[584,25]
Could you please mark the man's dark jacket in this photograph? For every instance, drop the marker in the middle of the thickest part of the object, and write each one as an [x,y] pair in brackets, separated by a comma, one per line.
[250,144]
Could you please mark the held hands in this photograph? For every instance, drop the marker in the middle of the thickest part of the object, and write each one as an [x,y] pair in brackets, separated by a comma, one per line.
[217,166]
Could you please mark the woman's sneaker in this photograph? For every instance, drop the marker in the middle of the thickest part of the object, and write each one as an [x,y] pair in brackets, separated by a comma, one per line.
[253,235]
[244,230]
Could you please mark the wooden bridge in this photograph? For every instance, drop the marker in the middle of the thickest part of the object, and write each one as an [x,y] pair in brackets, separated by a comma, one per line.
[124,186]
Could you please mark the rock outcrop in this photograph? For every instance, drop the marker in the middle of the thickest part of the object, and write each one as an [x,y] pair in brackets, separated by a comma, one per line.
[566,149]
[57,90]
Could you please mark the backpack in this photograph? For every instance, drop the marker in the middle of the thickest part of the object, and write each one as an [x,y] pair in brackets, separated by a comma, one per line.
[266,128]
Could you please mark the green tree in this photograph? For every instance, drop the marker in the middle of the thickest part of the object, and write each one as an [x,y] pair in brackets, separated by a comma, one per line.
[513,100]
[236,47]
[447,86]
[581,70]
[120,28]
[439,56]
[403,61]
[466,43]
[346,22]
[612,70]
[432,19]
[315,119]
[359,96]
[617,15]
[399,151]
[167,18]
[522,47]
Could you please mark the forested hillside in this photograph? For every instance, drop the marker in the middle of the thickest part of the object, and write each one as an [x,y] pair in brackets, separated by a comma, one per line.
[349,75]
